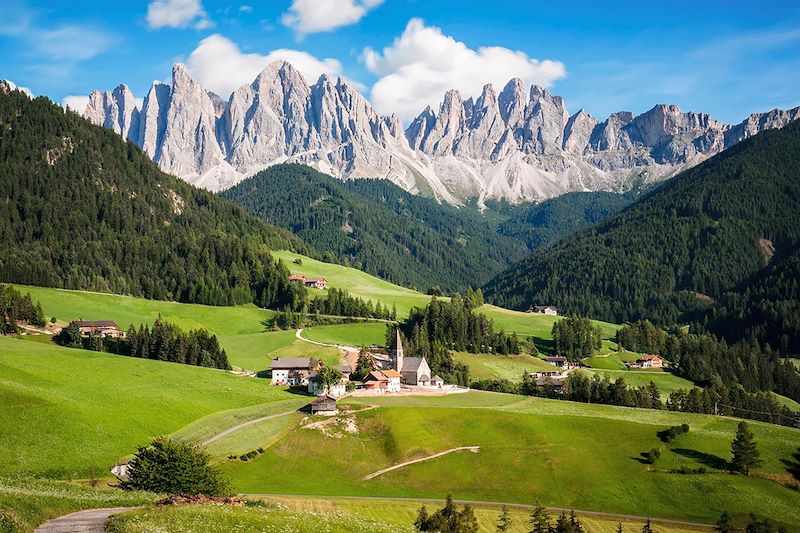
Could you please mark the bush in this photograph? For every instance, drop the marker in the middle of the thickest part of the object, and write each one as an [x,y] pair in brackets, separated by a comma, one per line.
[170,467]
[653,455]
[668,435]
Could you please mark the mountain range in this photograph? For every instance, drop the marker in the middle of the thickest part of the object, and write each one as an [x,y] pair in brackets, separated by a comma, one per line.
[517,145]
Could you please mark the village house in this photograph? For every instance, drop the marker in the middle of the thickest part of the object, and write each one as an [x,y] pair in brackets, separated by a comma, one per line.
[561,362]
[337,390]
[292,371]
[382,381]
[437,382]
[324,405]
[648,361]
[297,277]
[543,310]
[102,328]
[550,383]
[545,374]
[316,283]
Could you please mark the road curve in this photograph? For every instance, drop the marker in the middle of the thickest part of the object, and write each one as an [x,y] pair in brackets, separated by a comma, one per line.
[243,425]
[89,521]
[473,449]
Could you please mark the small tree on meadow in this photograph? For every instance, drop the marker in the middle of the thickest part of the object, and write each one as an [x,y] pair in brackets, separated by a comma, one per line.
[170,467]
[647,528]
[744,450]
[540,520]
[723,525]
[364,365]
[620,529]
[504,521]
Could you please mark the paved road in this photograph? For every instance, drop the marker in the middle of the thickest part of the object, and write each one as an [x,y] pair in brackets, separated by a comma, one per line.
[598,514]
[91,521]
[473,449]
[243,425]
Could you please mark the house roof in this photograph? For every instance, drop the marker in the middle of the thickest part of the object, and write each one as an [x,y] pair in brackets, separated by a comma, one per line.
[345,369]
[96,324]
[391,373]
[412,364]
[297,277]
[556,358]
[650,357]
[376,375]
[287,363]
[543,307]
[313,280]
[324,399]
[437,378]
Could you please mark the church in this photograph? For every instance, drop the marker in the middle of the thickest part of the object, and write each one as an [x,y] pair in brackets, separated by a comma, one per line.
[414,370]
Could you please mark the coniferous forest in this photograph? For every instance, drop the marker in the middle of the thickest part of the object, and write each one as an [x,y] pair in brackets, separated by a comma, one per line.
[719,241]
[83,209]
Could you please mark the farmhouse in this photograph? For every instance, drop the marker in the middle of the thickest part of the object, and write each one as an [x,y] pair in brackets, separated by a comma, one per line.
[650,361]
[560,361]
[414,370]
[337,390]
[382,381]
[316,283]
[103,328]
[543,310]
[546,374]
[291,371]
[550,383]
[297,277]
[324,405]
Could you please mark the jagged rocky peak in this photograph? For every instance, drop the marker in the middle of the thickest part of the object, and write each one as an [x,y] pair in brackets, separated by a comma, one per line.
[115,110]
[518,144]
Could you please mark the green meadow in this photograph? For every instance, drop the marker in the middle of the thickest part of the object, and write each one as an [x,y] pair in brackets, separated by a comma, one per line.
[353,334]
[564,454]
[74,413]
[510,367]
[666,382]
[356,282]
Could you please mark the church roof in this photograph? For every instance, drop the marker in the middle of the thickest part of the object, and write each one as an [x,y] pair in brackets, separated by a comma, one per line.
[412,364]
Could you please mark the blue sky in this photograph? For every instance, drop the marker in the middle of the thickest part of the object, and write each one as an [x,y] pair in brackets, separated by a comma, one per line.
[728,58]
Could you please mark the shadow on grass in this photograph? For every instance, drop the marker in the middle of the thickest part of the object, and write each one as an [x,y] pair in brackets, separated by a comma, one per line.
[545,346]
[707,459]
[793,465]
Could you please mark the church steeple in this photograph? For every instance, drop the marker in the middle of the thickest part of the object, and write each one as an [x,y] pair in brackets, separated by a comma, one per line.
[398,353]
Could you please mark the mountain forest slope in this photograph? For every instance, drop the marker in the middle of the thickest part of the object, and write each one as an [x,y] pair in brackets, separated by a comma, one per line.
[380,228]
[83,209]
[708,234]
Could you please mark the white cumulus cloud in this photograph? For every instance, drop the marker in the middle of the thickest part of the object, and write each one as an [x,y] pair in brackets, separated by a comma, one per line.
[220,66]
[313,16]
[176,14]
[76,103]
[423,63]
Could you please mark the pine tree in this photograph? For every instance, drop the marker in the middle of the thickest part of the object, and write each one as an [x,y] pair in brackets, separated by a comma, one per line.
[504,521]
[422,523]
[620,529]
[744,450]
[540,520]
[724,524]
[647,528]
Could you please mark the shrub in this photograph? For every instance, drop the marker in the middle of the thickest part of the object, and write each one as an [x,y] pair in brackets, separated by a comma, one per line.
[170,467]
[653,455]
[668,435]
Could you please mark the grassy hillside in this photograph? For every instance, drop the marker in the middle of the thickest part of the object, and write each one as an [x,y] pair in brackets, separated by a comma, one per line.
[567,455]
[484,366]
[239,328]
[69,412]
[410,240]
[356,282]
[708,231]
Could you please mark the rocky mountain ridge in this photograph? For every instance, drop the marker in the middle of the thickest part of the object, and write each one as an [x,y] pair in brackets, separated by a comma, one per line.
[517,145]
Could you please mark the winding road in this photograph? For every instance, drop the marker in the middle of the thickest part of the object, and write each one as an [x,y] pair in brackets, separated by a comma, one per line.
[90,521]
[473,449]
[243,425]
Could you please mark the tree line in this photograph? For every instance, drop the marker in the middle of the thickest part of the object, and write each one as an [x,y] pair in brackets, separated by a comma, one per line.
[16,307]
[163,342]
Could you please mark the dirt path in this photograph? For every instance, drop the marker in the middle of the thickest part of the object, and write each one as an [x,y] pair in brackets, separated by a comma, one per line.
[299,335]
[473,449]
[91,521]
[609,516]
[243,425]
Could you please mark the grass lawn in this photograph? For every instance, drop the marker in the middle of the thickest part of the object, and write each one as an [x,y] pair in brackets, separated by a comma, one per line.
[611,360]
[355,334]
[219,519]
[238,329]
[512,367]
[788,402]
[403,513]
[356,282]
[565,454]
[27,502]
[73,413]
[665,381]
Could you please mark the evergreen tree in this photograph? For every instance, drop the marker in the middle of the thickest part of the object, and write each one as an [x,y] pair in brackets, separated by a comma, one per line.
[540,520]
[620,529]
[647,528]
[504,522]
[744,450]
[723,525]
